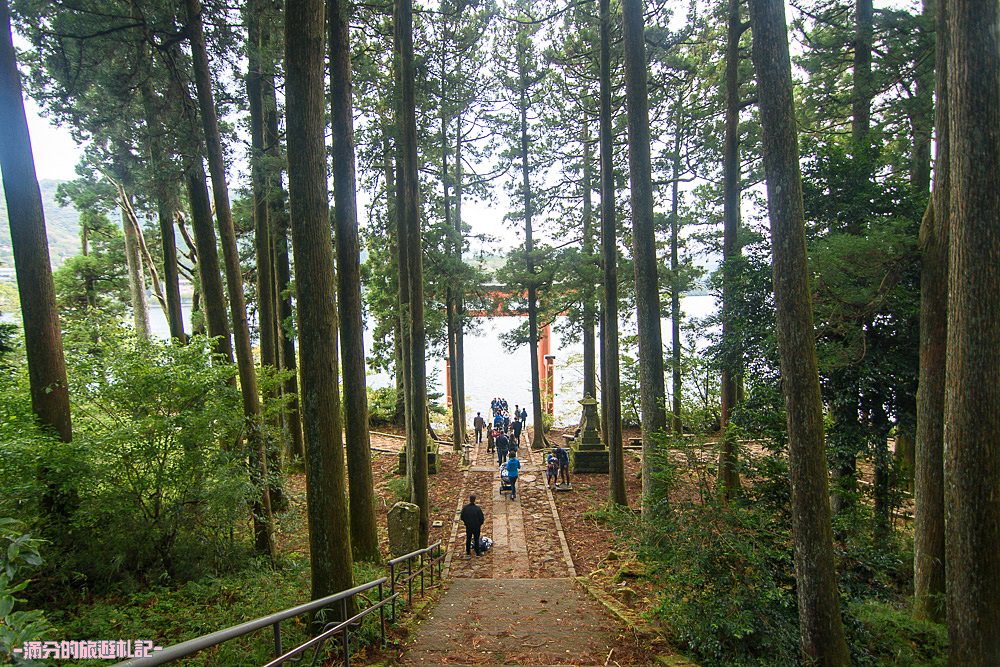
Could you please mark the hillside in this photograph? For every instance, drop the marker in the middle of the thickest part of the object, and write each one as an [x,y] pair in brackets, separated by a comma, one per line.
[61,224]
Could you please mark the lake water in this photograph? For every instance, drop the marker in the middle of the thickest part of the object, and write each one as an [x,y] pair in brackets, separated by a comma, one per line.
[490,370]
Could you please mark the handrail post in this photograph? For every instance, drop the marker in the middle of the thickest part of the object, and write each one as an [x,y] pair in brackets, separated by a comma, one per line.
[277,639]
[381,612]
[392,588]
[347,633]
[423,567]
[409,581]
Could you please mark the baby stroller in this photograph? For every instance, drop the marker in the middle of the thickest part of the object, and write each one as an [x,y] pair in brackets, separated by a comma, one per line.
[505,485]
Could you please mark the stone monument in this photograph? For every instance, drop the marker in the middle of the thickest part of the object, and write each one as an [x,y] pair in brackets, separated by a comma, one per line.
[404,528]
[588,453]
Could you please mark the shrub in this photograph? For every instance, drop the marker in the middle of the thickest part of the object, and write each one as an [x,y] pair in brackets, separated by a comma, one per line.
[18,554]
[382,406]
[882,634]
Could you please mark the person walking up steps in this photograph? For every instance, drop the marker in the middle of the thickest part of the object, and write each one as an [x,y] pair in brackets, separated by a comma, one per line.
[473,518]
[513,466]
[479,424]
[502,445]
[516,428]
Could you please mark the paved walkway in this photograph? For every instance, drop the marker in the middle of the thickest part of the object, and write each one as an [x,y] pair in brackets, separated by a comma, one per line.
[519,603]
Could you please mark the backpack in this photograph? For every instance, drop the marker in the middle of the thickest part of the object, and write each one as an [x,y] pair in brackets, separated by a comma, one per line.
[485,544]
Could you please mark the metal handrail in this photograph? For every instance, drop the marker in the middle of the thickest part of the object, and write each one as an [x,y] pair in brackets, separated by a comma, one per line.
[192,646]
[407,576]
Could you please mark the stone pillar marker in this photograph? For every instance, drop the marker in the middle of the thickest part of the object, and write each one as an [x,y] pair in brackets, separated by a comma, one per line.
[403,523]
[588,453]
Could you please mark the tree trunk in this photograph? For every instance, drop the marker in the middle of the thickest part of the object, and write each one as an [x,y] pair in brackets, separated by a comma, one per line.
[651,390]
[928,473]
[611,385]
[136,275]
[588,320]
[266,302]
[459,387]
[972,372]
[209,275]
[165,194]
[675,269]
[364,533]
[281,272]
[820,625]
[732,357]
[408,207]
[329,528]
[263,521]
[42,332]
[538,424]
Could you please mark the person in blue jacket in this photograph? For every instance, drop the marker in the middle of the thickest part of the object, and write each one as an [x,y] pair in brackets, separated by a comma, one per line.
[513,465]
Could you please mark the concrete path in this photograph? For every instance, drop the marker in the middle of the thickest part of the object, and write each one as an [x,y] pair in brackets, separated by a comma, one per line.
[519,603]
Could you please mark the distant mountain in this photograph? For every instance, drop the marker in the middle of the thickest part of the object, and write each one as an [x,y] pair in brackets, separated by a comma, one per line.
[62,225]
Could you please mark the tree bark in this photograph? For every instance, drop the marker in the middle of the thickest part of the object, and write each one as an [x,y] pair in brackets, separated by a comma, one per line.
[611,386]
[538,421]
[165,194]
[972,369]
[136,275]
[459,386]
[820,626]
[675,268]
[732,362]
[408,209]
[651,389]
[364,533]
[922,115]
[209,275]
[928,474]
[329,529]
[266,302]
[589,315]
[42,332]
[281,272]
[263,521]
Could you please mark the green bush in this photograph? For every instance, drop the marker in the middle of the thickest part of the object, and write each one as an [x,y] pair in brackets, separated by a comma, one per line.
[18,554]
[727,584]
[382,406]
[164,479]
[882,634]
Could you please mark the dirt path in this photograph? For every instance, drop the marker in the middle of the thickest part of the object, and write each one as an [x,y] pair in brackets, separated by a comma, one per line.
[519,603]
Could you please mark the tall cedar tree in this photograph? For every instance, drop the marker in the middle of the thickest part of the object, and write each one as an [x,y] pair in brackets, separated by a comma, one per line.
[262,518]
[731,357]
[928,475]
[312,247]
[820,626]
[972,372]
[647,294]
[408,212]
[364,534]
[611,384]
[525,79]
[42,333]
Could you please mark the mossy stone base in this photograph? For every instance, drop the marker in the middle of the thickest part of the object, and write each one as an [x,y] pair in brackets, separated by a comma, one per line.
[432,461]
[588,459]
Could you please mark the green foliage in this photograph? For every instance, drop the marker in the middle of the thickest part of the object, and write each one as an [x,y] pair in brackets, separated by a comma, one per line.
[163,480]
[19,553]
[882,634]
[727,582]
[172,615]
[381,406]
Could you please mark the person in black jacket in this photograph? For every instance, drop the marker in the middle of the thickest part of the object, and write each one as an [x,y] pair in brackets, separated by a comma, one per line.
[473,518]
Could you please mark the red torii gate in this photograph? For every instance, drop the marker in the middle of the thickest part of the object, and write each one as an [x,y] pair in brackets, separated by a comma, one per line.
[546,360]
